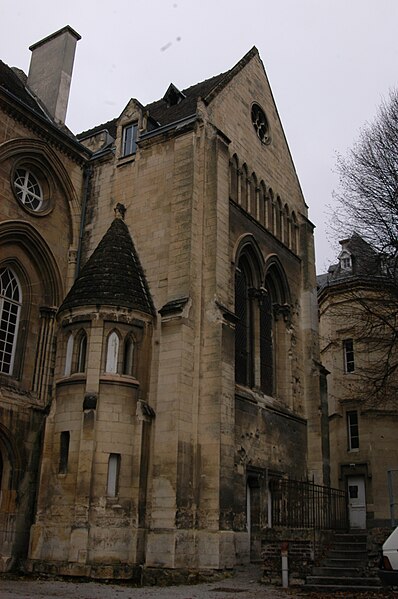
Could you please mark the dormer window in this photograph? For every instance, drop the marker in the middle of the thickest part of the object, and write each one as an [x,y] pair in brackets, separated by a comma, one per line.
[345,260]
[173,95]
[129,140]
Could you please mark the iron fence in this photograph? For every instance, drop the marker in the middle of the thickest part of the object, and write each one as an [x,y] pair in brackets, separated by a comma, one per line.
[303,504]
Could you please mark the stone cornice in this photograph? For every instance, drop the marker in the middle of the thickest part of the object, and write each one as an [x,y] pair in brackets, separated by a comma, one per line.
[42,127]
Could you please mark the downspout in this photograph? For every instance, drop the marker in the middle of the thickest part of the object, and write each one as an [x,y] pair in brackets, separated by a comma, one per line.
[88,171]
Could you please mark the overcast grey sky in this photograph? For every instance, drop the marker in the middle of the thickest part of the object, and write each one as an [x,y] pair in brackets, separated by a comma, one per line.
[329,63]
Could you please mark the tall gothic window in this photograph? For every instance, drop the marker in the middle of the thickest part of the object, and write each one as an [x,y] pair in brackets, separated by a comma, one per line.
[244,325]
[10,307]
[266,345]
[261,310]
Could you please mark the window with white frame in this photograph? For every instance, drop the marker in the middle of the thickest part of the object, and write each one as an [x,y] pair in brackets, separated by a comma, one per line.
[345,260]
[10,307]
[28,189]
[112,353]
[352,430]
[112,486]
[129,140]
[348,351]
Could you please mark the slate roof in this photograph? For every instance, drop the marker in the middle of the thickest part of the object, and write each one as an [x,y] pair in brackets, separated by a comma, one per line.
[112,276]
[366,264]
[161,112]
[164,114]
[12,83]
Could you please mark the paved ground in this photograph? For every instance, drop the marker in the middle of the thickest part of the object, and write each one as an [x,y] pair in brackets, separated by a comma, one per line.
[243,585]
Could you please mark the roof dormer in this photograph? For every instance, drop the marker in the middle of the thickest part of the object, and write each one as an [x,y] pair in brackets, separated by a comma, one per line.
[173,95]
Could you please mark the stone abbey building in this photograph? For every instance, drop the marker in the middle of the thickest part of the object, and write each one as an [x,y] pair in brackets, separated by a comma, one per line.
[159,360]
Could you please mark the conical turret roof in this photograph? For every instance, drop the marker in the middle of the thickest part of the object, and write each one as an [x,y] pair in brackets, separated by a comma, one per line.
[112,275]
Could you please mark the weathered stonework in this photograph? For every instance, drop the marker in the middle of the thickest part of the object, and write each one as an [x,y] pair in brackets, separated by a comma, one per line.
[156,457]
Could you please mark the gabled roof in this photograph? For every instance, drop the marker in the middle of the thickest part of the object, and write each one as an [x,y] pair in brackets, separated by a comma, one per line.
[112,276]
[165,113]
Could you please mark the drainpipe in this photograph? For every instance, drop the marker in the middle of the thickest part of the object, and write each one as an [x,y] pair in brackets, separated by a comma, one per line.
[88,171]
[285,568]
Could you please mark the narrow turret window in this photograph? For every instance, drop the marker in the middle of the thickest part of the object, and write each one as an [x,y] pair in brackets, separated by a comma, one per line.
[113,474]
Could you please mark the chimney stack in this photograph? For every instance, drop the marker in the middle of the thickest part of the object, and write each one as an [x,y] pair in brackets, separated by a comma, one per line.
[50,70]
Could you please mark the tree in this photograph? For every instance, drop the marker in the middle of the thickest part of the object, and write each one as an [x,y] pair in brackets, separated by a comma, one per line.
[367,204]
[368,195]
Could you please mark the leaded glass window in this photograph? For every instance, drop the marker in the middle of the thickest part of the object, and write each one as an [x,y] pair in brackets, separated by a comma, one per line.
[10,306]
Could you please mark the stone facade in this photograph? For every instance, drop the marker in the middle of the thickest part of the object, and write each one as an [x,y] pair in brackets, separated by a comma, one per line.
[166,417]
[362,432]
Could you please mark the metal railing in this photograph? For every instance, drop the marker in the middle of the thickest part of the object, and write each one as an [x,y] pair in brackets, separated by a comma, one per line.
[303,504]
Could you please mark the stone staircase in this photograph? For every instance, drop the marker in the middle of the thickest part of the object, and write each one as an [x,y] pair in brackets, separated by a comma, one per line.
[345,567]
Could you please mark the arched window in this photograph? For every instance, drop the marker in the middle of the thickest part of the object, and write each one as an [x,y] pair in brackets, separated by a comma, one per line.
[252,193]
[262,310]
[82,352]
[244,324]
[294,233]
[271,212]
[69,355]
[244,187]
[112,486]
[286,226]
[266,343]
[112,352]
[279,218]
[128,356]
[262,204]
[234,178]
[10,307]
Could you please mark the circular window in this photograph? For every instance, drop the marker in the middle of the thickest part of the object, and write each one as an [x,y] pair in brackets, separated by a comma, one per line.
[260,124]
[28,189]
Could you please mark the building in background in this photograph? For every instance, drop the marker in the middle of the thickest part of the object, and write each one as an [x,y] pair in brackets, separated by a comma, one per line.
[159,301]
[355,302]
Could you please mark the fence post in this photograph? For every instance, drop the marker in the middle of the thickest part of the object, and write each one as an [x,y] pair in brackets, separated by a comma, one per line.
[285,567]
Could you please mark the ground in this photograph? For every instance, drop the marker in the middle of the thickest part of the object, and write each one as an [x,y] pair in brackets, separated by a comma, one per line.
[243,585]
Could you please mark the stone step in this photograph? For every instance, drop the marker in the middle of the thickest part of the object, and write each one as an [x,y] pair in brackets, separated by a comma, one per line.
[343,554]
[351,535]
[335,588]
[351,546]
[339,571]
[330,562]
[342,581]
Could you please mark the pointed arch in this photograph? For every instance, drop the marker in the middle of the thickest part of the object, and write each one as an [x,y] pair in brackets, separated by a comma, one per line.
[286,225]
[26,236]
[40,152]
[112,352]
[128,355]
[247,244]
[81,351]
[262,204]
[272,212]
[69,355]
[248,276]
[10,309]
[278,218]
[294,232]
[244,183]
[234,178]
